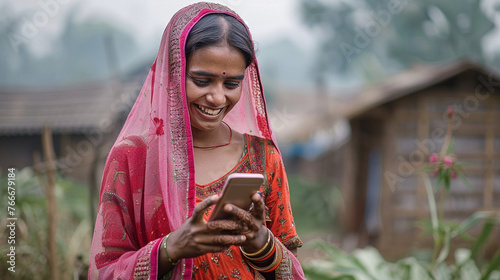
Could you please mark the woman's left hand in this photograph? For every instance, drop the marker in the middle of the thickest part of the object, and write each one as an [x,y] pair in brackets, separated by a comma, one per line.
[250,223]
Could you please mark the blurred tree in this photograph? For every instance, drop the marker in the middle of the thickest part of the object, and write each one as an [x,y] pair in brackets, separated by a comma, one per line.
[11,61]
[79,53]
[382,37]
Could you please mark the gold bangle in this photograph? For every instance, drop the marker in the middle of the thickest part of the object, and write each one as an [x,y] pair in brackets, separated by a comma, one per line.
[261,249]
[166,252]
[264,256]
[277,260]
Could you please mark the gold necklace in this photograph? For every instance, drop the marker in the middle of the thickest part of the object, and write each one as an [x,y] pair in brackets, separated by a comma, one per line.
[221,145]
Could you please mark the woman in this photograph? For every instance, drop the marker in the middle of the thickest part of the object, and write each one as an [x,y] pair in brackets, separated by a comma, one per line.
[173,155]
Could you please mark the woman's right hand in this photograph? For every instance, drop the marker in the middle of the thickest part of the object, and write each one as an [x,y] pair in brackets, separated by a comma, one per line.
[196,237]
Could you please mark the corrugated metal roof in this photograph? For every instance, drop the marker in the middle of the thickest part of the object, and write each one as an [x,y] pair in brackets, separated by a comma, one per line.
[69,109]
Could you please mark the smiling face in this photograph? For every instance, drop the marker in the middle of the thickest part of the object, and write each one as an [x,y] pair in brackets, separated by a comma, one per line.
[213,84]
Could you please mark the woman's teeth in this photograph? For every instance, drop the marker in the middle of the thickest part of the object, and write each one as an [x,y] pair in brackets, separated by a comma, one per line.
[208,111]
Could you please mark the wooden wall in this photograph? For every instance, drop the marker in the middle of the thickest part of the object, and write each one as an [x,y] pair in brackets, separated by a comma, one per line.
[414,129]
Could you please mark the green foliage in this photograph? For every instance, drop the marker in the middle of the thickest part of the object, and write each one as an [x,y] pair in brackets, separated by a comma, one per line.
[73,233]
[314,204]
[368,264]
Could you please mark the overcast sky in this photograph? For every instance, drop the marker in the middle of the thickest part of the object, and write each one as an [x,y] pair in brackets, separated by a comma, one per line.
[265,18]
[147,19]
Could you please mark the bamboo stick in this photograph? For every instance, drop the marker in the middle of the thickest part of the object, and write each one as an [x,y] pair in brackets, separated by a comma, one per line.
[48,152]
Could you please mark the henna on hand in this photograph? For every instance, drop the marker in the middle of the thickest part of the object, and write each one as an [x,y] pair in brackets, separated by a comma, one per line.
[228,240]
[247,223]
[224,225]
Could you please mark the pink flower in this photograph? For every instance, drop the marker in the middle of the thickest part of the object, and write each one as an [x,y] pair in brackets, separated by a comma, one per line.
[450,112]
[433,159]
[435,172]
[448,161]
[453,175]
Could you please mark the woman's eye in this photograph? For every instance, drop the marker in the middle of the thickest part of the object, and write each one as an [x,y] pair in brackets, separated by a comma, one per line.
[232,85]
[201,83]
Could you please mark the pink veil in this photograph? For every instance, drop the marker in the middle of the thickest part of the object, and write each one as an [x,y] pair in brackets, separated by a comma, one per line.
[154,150]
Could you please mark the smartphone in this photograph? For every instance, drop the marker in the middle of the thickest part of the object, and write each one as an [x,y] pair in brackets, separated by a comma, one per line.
[238,190]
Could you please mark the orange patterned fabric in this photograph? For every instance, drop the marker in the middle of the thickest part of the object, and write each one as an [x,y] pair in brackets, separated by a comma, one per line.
[260,156]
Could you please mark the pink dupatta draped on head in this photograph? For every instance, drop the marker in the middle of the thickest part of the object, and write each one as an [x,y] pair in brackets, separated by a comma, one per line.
[148,187]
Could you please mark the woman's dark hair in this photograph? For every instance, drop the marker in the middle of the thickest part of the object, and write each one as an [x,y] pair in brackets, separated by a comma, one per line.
[217,28]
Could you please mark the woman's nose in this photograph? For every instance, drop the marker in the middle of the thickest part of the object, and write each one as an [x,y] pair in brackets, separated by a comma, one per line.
[217,95]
